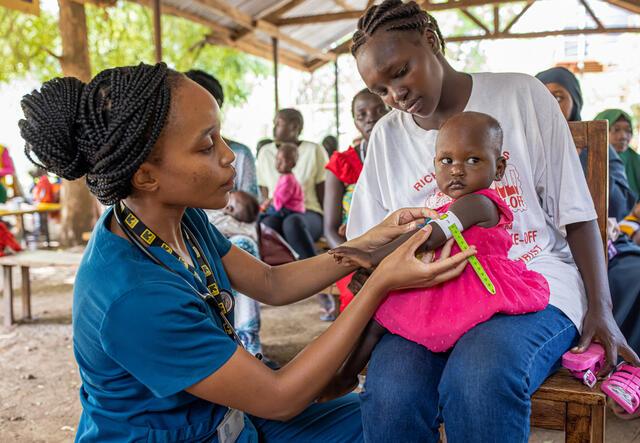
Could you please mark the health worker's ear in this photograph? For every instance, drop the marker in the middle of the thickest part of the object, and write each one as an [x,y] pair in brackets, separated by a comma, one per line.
[144,178]
[501,165]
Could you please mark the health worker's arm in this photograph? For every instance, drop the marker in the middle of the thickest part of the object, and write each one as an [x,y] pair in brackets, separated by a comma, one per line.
[471,210]
[244,383]
[291,282]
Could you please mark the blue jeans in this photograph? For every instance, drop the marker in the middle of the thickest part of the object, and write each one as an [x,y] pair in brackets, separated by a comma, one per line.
[481,388]
[337,421]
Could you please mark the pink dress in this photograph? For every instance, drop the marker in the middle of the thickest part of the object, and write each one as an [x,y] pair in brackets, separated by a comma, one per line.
[288,194]
[437,317]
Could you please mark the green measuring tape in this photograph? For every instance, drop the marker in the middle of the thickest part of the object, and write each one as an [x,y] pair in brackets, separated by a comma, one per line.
[475,264]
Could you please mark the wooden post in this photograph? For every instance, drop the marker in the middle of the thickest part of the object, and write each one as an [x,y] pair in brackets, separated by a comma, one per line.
[274,44]
[337,99]
[26,293]
[157,30]
[7,295]
[77,203]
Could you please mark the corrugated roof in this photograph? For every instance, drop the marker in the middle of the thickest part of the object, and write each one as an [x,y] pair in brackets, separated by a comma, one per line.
[314,38]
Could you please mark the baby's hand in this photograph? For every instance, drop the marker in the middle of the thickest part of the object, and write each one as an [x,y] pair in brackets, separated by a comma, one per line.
[342,230]
[352,257]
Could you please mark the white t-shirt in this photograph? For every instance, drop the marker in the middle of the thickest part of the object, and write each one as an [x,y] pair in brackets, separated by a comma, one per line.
[309,171]
[543,185]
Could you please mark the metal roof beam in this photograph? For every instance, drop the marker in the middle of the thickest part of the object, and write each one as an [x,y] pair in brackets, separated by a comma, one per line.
[629,5]
[222,36]
[246,21]
[592,14]
[350,15]
[503,35]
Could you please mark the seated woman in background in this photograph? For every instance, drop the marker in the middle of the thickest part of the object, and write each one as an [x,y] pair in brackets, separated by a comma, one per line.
[624,257]
[620,132]
[342,174]
[300,230]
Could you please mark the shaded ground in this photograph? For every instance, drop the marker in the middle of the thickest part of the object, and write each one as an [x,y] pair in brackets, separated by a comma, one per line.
[39,383]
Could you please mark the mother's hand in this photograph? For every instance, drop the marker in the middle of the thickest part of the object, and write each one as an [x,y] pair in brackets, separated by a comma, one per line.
[600,326]
[399,222]
[402,269]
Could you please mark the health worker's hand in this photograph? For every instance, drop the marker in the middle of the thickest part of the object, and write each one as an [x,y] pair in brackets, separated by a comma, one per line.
[402,269]
[399,222]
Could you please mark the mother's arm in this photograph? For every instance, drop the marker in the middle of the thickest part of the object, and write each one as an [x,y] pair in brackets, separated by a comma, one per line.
[599,324]
[288,283]
[333,209]
[246,384]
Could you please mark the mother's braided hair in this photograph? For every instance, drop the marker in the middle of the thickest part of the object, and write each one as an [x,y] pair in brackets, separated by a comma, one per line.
[394,15]
[104,129]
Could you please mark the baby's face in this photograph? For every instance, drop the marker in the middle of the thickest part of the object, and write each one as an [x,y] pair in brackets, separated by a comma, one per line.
[285,161]
[237,208]
[465,164]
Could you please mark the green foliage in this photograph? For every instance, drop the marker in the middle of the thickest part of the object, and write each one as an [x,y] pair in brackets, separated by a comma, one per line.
[123,35]
[24,41]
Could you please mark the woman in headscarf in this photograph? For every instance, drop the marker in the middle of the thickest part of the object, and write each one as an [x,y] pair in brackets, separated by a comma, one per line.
[564,86]
[624,257]
[620,132]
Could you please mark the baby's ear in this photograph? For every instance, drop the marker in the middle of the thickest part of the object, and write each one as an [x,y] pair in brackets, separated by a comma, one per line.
[501,164]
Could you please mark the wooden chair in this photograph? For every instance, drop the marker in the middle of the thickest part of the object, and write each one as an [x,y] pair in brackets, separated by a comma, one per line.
[562,402]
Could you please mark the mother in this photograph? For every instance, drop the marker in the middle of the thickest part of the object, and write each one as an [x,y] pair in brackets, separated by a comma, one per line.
[157,359]
[481,389]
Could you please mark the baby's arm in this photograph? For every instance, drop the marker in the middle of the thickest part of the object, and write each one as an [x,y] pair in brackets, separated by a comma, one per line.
[471,210]
[346,379]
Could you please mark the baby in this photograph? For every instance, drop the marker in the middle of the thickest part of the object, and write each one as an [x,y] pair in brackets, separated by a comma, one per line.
[238,217]
[467,161]
[287,195]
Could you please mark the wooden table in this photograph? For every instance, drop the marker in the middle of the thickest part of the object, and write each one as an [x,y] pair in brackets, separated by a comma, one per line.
[39,209]
[26,260]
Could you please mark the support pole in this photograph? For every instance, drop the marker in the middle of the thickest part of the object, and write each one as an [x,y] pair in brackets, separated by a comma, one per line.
[337,99]
[157,30]
[274,44]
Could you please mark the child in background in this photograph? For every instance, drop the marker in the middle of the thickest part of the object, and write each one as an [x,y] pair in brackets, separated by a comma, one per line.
[343,170]
[287,196]
[468,160]
[631,224]
[238,217]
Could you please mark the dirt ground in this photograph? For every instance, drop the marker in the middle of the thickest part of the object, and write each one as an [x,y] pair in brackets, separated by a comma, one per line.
[39,383]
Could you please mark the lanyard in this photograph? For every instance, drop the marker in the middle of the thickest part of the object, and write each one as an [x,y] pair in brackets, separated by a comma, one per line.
[142,237]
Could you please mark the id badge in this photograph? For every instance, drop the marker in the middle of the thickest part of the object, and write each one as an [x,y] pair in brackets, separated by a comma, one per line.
[231,426]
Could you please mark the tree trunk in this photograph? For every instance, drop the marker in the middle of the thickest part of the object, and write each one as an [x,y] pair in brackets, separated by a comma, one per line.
[79,207]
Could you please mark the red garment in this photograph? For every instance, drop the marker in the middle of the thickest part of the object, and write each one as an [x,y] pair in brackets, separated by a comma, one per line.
[346,165]
[7,240]
[43,191]
[345,294]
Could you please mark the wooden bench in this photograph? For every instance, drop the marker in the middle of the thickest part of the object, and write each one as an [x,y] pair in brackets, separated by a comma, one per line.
[25,260]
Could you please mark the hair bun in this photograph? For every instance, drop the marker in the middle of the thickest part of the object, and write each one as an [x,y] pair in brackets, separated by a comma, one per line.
[51,127]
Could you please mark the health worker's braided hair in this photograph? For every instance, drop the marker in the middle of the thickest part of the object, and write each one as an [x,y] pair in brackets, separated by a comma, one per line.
[394,15]
[104,129]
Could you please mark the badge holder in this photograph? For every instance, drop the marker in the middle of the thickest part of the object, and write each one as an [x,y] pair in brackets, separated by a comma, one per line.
[624,387]
[585,366]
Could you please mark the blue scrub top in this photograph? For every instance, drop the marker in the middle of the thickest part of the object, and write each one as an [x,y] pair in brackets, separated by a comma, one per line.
[141,336]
